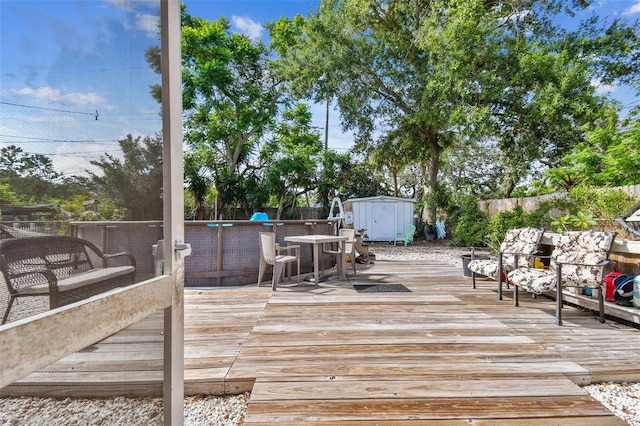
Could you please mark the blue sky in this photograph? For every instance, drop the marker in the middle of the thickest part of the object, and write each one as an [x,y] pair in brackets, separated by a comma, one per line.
[63,60]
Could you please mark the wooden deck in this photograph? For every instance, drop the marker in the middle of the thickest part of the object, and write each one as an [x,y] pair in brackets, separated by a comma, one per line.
[442,353]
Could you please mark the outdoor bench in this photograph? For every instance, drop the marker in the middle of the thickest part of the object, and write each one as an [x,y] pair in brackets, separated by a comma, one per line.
[67,269]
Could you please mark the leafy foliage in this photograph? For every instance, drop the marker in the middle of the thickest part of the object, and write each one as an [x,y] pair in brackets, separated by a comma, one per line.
[30,176]
[289,158]
[230,99]
[470,227]
[134,182]
[415,79]
[607,158]
[601,202]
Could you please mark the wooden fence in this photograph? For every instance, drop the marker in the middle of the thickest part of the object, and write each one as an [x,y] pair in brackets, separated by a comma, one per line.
[528,204]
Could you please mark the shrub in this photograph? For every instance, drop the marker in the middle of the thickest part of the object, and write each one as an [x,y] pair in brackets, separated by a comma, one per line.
[470,225]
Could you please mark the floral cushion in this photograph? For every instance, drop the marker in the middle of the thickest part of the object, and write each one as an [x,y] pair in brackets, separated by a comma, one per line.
[580,255]
[486,267]
[533,280]
[520,241]
[516,241]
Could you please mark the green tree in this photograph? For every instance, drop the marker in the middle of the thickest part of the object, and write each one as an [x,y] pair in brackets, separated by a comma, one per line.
[365,180]
[230,99]
[443,72]
[135,181]
[289,157]
[30,176]
[197,182]
[74,208]
[7,196]
[333,176]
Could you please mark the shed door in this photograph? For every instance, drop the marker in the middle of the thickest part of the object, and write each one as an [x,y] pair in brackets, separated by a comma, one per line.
[384,221]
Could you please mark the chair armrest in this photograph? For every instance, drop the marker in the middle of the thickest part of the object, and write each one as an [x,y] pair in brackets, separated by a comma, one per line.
[599,264]
[129,256]
[287,248]
[517,253]
[48,275]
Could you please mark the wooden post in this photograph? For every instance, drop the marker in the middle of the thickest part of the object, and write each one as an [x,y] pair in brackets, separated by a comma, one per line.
[170,36]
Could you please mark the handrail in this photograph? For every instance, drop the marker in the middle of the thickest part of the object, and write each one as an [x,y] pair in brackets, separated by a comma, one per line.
[32,343]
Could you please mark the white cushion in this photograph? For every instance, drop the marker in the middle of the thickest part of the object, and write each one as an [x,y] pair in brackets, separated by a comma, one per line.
[80,280]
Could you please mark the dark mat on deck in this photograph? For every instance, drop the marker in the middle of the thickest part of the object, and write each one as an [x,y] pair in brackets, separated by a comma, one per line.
[379,288]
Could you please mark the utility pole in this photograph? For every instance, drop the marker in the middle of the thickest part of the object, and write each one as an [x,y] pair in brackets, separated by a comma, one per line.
[326,126]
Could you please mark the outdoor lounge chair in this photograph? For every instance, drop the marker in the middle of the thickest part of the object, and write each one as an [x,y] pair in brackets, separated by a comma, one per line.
[578,260]
[517,248]
[406,236]
[269,255]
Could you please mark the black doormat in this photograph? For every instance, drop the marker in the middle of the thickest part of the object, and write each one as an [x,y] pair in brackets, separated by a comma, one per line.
[380,288]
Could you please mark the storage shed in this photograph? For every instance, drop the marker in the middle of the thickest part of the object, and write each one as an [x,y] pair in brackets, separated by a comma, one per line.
[383,217]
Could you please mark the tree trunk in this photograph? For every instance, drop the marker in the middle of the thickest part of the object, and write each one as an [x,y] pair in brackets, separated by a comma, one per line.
[432,142]
[280,207]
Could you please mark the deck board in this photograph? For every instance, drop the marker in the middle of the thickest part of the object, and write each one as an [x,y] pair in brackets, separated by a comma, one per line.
[442,353]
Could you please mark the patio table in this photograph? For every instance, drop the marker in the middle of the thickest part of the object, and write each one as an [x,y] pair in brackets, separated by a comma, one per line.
[316,241]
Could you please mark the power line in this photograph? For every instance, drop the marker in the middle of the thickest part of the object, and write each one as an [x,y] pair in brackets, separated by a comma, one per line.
[40,140]
[52,109]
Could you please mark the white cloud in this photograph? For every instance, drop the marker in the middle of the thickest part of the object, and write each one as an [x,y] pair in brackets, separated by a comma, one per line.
[148,23]
[122,4]
[603,89]
[78,99]
[247,26]
[633,10]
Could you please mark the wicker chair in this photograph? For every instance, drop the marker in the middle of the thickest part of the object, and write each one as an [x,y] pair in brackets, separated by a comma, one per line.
[578,260]
[517,248]
[65,269]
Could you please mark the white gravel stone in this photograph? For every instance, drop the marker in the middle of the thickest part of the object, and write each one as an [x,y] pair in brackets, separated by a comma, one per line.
[199,410]
[623,399]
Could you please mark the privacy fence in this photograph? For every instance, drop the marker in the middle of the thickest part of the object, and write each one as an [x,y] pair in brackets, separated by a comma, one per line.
[528,204]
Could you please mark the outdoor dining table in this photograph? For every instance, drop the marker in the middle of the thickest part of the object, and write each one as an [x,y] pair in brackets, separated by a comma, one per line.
[317,241]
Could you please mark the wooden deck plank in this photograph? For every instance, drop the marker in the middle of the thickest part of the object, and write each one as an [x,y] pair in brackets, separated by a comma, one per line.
[424,409]
[442,353]
[283,390]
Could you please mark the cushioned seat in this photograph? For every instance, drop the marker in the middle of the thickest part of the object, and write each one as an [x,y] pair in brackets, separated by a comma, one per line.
[578,260]
[74,282]
[516,249]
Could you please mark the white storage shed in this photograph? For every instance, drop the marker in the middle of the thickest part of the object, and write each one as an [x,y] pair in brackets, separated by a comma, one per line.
[383,217]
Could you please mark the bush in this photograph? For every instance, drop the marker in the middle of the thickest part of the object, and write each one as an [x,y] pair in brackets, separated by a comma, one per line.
[502,222]
[602,203]
[470,225]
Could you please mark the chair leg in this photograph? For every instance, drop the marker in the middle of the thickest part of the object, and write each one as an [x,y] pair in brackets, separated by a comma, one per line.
[277,272]
[473,280]
[558,304]
[515,296]
[559,294]
[600,305]
[500,271]
[6,312]
[261,271]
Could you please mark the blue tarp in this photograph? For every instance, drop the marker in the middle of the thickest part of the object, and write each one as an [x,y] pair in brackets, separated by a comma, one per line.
[259,216]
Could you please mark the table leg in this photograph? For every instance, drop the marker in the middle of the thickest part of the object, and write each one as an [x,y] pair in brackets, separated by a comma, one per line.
[341,263]
[316,262]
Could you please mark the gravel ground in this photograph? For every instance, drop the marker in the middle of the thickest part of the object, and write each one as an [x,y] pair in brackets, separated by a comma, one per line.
[198,410]
[623,399]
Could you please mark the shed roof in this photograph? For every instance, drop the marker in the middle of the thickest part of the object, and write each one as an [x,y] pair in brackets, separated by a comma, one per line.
[383,198]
